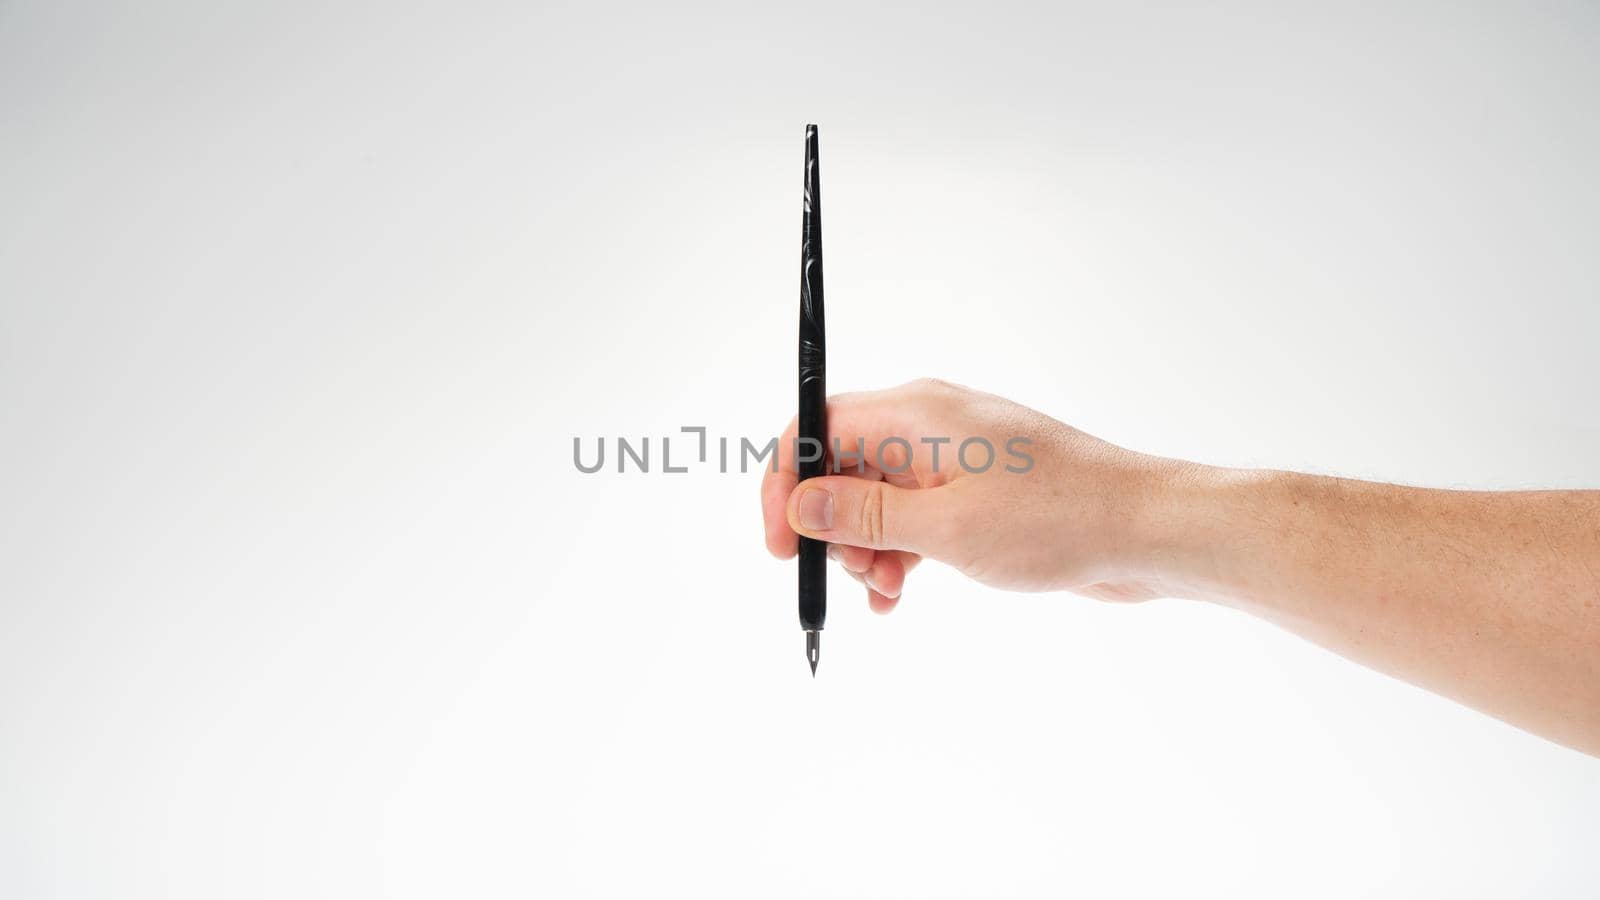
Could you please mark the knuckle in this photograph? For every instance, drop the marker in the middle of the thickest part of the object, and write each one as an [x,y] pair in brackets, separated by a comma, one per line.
[937,396]
[894,457]
[871,515]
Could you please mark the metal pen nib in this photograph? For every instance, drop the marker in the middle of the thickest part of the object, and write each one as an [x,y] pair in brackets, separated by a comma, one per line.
[813,649]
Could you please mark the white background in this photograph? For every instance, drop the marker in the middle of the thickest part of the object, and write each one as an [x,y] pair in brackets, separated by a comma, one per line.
[301,306]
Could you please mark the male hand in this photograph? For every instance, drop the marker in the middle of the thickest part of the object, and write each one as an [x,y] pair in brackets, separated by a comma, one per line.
[1030,504]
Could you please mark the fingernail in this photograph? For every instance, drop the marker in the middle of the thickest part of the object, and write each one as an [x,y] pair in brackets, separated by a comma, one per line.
[816,510]
[833,552]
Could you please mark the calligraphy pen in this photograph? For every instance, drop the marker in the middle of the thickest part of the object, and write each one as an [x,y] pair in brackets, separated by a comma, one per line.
[813,432]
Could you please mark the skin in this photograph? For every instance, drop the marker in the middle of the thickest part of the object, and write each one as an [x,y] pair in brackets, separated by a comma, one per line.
[1490,598]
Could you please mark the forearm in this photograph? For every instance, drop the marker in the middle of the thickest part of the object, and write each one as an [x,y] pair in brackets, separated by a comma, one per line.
[1490,598]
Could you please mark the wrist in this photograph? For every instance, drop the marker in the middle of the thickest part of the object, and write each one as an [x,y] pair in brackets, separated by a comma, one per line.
[1196,524]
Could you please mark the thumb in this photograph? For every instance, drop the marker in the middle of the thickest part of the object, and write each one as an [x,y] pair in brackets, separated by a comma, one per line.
[841,509]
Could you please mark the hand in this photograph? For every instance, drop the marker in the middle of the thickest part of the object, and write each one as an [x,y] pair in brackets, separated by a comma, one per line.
[1053,509]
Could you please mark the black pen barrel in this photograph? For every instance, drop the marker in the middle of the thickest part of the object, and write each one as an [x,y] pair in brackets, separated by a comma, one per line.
[813,421]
